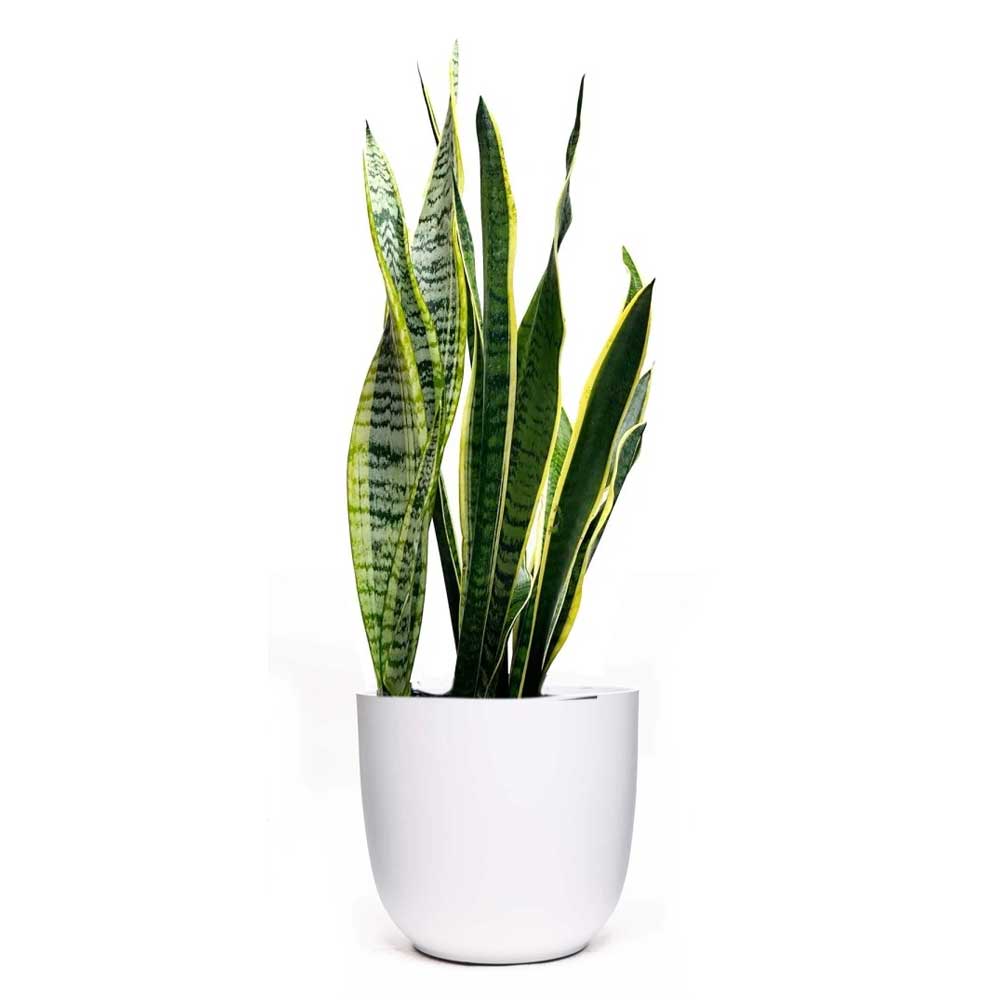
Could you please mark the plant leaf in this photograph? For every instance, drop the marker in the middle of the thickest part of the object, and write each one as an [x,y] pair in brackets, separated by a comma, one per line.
[634,282]
[559,449]
[627,453]
[491,405]
[404,600]
[437,269]
[585,474]
[437,265]
[386,442]
[535,421]
[392,248]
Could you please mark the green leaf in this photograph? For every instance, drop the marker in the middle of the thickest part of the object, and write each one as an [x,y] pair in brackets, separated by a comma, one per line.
[437,269]
[559,449]
[392,248]
[626,454]
[429,105]
[491,406]
[444,536]
[387,440]
[444,531]
[437,264]
[564,210]
[635,282]
[535,421]
[464,232]
[585,473]
[404,600]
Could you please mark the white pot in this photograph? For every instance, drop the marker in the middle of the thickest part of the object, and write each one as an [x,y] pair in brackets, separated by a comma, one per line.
[499,829]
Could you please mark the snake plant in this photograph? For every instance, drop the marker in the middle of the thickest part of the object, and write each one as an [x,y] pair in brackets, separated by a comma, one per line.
[535,490]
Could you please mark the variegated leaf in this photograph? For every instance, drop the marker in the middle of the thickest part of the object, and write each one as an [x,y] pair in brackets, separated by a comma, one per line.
[392,248]
[634,281]
[627,453]
[491,405]
[403,609]
[440,274]
[386,443]
[436,266]
[535,419]
[584,477]
[559,449]
[626,450]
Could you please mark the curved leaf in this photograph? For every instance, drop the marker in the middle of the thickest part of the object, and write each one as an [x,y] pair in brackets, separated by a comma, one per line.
[386,443]
[392,248]
[634,281]
[628,452]
[584,475]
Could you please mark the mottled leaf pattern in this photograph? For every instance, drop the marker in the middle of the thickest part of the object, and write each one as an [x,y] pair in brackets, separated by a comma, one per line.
[386,444]
[407,578]
[527,476]
[437,270]
[440,275]
[392,248]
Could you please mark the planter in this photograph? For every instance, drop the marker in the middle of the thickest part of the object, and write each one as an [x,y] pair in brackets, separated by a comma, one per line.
[499,830]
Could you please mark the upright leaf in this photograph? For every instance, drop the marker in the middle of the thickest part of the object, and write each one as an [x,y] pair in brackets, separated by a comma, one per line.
[436,268]
[491,403]
[392,248]
[390,524]
[559,449]
[584,476]
[535,420]
[404,600]
[386,443]
[634,281]
[626,452]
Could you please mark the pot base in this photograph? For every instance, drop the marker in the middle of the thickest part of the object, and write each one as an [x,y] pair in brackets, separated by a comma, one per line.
[526,960]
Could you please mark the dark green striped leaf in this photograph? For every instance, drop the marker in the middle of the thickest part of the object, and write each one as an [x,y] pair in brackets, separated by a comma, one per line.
[627,453]
[491,405]
[535,420]
[559,449]
[585,474]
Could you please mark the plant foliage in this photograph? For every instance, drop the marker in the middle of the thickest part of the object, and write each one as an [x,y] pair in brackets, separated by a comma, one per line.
[535,490]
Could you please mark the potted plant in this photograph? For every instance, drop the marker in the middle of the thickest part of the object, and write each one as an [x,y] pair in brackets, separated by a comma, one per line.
[499,816]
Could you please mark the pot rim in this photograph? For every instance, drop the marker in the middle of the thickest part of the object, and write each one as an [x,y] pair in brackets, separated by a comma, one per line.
[552,695]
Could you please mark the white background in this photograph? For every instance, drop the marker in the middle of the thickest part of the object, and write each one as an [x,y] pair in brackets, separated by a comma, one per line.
[803,575]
